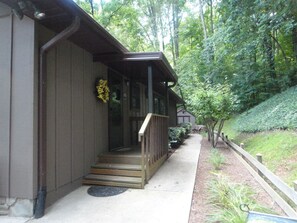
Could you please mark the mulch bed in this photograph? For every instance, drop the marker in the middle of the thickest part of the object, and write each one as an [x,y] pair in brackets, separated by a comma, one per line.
[234,170]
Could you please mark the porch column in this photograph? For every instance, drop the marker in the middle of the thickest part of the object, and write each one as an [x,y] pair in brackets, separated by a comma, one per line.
[166,99]
[150,89]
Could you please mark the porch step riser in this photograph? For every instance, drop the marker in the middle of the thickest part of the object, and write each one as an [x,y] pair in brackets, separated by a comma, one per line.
[109,180]
[114,172]
[119,159]
[113,184]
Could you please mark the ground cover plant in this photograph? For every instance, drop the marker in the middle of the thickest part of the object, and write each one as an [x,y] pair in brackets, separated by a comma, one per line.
[227,197]
[278,112]
[216,158]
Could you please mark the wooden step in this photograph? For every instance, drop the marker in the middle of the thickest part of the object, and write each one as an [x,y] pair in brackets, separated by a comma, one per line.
[115,172]
[116,181]
[113,184]
[120,179]
[120,159]
[117,166]
[115,169]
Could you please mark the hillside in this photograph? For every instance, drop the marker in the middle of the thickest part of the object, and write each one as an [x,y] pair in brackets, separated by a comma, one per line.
[278,112]
[270,129]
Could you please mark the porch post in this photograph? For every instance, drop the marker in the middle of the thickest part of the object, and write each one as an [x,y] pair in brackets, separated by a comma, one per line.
[166,99]
[150,89]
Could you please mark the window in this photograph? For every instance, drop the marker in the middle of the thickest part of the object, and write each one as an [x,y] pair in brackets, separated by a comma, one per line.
[135,96]
[159,105]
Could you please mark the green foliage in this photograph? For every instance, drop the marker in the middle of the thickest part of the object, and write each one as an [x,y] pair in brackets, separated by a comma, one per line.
[227,198]
[187,126]
[176,135]
[249,45]
[279,112]
[229,128]
[212,105]
[250,48]
[216,158]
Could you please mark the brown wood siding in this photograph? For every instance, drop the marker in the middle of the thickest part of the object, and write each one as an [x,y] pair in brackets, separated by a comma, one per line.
[76,121]
[101,114]
[172,113]
[17,106]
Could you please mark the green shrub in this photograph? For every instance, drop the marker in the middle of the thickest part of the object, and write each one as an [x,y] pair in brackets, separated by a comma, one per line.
[187,126]
[176,135]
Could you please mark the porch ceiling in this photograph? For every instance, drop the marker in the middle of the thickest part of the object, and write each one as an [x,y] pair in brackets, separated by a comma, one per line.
[135,65]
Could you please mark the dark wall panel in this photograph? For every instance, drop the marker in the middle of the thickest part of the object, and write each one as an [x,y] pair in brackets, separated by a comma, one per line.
[5,97]
[77,78]
[51,120]
[89,99]
[172,113]
[63,114]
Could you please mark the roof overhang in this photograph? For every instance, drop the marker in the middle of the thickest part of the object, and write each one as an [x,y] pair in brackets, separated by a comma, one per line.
[135,65]
[92,37]
[175,97]
[59,14]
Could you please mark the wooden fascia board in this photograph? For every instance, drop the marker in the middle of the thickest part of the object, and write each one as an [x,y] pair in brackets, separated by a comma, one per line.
[158,58]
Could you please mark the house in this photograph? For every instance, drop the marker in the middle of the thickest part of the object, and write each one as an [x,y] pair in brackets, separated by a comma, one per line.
[75,106]
[175,101]
[185,116]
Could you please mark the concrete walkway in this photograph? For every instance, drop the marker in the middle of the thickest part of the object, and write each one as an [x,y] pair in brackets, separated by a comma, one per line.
[167,197]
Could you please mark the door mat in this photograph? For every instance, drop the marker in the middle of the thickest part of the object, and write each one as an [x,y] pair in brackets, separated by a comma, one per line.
[105,191]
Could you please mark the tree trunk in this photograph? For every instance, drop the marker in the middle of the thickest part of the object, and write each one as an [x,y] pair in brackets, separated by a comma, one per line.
[269,55]
[221,124]
[202,19]
[154,26]
[211,18]
[294,41]
[176,14]
[92,6]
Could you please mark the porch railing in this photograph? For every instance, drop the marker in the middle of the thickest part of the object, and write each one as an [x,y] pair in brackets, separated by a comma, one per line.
[153,137]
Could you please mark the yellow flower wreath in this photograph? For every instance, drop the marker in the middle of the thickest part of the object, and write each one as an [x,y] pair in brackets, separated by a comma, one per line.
[102,90]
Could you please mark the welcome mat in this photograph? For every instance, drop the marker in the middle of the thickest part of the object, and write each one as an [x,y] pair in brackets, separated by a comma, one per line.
[105,191]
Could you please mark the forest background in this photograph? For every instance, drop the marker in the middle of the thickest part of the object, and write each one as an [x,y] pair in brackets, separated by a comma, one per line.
[251,46]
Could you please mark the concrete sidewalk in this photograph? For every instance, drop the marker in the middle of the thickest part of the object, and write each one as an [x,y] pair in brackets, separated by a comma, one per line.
[167,197]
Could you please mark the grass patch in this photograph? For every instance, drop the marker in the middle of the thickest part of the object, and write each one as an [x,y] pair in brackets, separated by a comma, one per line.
[229,129]
[277,148]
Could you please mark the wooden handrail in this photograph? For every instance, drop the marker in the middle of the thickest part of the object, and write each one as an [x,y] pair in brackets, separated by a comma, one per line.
[144,126]
[153,136]
[146,122]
